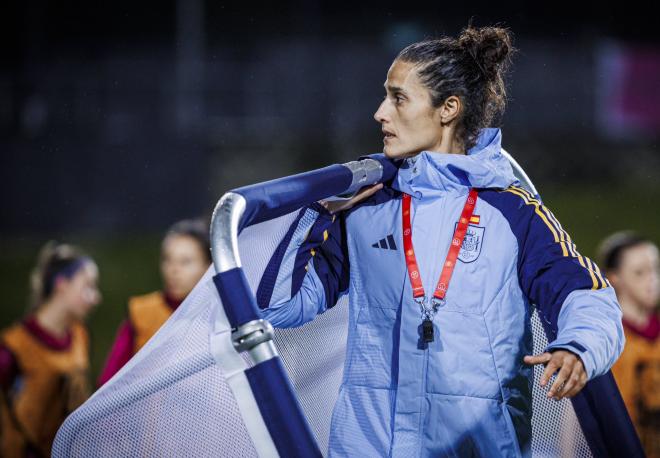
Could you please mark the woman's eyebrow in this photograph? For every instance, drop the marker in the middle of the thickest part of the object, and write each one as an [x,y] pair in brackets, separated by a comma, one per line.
[394,88]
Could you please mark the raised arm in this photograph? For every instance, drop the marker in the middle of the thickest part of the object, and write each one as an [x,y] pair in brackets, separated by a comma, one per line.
[308,271]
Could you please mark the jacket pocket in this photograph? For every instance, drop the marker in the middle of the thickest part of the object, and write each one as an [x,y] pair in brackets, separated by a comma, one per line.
[373,348]
[467,426]
[460,358]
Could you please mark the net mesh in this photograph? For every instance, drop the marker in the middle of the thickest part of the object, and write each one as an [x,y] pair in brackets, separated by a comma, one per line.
[172,399]
[555,428]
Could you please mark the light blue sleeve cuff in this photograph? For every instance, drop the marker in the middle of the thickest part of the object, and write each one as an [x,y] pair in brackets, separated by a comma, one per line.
[590,326]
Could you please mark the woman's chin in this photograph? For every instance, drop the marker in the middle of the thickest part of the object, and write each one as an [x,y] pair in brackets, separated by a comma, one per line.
[650,304]
[398,154]
[392,153]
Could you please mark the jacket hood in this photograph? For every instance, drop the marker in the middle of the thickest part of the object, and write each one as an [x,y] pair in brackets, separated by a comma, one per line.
[484,166]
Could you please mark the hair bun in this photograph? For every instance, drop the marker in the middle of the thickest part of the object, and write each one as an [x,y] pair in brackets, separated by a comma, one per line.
[490,47]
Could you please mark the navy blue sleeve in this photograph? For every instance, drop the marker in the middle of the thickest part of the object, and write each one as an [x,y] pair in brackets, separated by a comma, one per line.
[549,265]
[573,298]
[329,253]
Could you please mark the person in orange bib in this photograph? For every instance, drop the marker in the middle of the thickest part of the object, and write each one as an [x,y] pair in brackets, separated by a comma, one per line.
[185,256]
[44,360]
[633,266]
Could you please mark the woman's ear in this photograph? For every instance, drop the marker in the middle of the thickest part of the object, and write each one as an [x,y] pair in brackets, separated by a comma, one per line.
[450,109]
[60,282]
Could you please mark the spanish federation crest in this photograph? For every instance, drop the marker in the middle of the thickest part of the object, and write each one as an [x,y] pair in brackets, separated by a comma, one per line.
[471,248]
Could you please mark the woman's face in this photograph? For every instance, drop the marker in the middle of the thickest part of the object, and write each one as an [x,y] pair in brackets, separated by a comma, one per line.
[638,275]
[409,122]
[80,293]
[182,264]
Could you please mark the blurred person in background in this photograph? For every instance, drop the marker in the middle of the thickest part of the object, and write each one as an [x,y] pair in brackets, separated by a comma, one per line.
[185,257]
[633,267]
[44,359]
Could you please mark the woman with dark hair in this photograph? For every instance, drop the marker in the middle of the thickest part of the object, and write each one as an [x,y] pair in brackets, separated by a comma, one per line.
[442,266]
[632,264]
[185,256]
[44,360]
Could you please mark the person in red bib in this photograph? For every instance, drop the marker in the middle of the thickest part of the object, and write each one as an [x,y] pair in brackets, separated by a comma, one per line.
[185,256]
[44,360]
[633,266]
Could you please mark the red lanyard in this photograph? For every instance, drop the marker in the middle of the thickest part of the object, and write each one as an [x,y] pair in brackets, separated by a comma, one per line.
[452,255]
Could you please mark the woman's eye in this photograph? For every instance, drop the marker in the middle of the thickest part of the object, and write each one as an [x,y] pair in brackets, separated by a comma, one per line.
[397,98]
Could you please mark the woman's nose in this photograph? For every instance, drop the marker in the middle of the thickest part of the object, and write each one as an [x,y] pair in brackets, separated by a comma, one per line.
[379,115]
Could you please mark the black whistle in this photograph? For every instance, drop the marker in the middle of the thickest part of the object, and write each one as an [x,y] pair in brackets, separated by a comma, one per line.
[427,331]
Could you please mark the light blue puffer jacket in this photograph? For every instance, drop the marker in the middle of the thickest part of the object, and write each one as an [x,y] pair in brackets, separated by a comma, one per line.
[468,392]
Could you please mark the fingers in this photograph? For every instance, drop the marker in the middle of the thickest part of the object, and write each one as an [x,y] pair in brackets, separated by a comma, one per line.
[562,377]
[550,369]
[537,359]
[332,207]
[581,381]
[571,377]
[569,384]
[543,358]
[366,192]
[337,206]
[576,380]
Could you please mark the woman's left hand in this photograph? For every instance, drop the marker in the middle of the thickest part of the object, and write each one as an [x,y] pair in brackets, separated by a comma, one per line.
[340,205]
[571,377]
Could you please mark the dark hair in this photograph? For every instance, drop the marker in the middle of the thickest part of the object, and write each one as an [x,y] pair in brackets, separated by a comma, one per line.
[471,67]
[196,229]
[54,260]
[611,249]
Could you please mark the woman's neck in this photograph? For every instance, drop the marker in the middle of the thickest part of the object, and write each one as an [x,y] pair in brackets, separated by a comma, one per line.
[449,143]
[633,313]
[52,319]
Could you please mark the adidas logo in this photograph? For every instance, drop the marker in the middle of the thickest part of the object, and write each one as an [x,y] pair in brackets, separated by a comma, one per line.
[386,243]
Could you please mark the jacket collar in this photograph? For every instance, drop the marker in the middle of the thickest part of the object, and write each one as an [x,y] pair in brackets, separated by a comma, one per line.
[432,174]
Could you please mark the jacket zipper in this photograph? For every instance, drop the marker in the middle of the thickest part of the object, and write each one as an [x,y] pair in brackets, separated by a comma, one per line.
[425,366]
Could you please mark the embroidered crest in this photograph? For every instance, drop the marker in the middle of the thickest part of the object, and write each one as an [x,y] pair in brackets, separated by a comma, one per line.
[471,248]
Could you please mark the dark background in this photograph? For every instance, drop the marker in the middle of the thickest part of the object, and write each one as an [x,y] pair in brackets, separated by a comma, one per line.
[119,118]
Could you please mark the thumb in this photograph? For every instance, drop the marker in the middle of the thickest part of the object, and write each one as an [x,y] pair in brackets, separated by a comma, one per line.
[365,192]
[541,358]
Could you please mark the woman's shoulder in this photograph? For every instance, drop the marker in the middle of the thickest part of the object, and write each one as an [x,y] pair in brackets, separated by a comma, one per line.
[79,332]
[513,196]
[515,203]
[12,333]
[647,335]
[526,214]
[149,300]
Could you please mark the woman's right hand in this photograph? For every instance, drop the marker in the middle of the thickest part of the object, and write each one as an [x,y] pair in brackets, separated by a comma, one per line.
[339,205]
